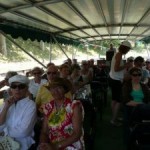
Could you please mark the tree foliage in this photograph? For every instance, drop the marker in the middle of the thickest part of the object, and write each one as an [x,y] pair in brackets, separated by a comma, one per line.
[34,48]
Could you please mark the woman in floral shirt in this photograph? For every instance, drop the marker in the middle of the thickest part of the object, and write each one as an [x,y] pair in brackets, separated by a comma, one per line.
[62,126]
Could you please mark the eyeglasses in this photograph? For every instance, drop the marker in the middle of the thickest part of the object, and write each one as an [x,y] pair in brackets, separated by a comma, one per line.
[52,73]
[135,75]
[36,73]
[19,86]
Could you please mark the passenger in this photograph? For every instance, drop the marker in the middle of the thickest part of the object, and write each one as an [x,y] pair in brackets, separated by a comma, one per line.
[44,76]
[86,73]
[74,61]
[147,66]
[62,126]
[130,62]
[18,113]
[65,71]
[116,78]
[36,82]
[69,63]
[134,93]
[44,95]
[147,62]
[110,53]
[139,62]
[6,93]
[76,78]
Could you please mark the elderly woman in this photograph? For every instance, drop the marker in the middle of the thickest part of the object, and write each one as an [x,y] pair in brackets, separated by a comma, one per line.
[18,113]
[36,82]
[62,126]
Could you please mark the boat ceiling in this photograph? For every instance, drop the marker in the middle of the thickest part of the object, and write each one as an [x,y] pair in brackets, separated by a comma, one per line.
[79,20]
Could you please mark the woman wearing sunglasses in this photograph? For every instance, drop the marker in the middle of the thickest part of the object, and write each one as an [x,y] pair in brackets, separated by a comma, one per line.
[135,93]
[18,113]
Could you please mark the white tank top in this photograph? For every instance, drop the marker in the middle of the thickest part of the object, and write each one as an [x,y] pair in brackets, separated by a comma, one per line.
[119,74]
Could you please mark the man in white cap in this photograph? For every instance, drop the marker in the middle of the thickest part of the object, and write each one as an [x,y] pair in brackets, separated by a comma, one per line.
[18,113]
[116,77]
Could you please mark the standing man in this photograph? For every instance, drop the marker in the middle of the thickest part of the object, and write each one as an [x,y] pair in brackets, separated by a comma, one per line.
[116,77]
[109,54]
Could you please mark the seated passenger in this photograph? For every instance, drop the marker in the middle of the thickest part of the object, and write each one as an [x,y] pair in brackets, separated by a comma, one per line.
[139,62]
[43,95]
[36,82]
[76,78]
[62,126]
[7,92]
[134,94]
[86,73]
[18,113]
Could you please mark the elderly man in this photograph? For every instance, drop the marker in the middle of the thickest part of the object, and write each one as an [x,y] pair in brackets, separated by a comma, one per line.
[18,113]
[44,94]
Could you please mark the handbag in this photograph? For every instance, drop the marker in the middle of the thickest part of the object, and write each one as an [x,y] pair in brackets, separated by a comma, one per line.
[8,143]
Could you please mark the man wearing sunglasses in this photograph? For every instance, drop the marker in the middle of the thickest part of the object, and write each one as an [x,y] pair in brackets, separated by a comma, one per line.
[18,113]
[44,95]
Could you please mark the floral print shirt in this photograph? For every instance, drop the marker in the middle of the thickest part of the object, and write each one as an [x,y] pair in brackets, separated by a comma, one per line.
[60,122]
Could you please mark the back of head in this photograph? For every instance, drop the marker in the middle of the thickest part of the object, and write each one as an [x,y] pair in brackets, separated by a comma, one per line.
[139,59]
[64,66]
[130,59]
[135,70]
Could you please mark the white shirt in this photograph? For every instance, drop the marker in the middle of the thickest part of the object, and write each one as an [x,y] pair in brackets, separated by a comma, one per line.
[20,121]
[119,74]
[34,87]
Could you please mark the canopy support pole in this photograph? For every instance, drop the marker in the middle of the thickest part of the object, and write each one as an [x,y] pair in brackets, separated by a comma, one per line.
[22,48]
[60,46]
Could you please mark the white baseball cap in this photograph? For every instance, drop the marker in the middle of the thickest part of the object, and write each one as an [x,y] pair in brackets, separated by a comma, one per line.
[126,43]
[19,78]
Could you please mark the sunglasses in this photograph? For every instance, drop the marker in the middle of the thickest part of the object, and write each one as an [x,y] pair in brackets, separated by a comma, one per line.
[19,86]
[52,73]
[36,73]
[135,75]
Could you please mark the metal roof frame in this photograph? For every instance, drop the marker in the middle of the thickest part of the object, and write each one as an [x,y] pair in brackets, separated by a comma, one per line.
[107,19]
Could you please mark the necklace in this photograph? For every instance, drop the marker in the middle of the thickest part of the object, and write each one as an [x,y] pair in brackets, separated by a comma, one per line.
[58,113]
[58,108]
